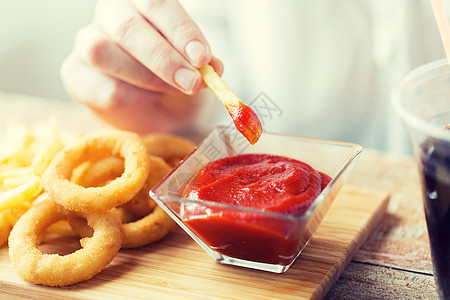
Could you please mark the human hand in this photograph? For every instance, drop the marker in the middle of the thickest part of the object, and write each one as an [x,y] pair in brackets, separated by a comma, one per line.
[136,62]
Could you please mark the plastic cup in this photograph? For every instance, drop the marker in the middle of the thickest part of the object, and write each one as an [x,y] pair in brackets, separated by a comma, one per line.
[422,100]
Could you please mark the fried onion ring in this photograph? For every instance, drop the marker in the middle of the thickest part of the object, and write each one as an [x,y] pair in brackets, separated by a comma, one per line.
[155,225]
[140,206]
[74,197]
[150,228]
[147,230]
[100,173]
[171,148]
[62,270]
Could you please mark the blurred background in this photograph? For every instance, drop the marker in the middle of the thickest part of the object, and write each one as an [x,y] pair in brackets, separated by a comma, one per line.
[323,68]
[35,37]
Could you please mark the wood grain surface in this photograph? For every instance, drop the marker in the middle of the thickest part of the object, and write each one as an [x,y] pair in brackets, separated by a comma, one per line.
[178,268]
[396,257]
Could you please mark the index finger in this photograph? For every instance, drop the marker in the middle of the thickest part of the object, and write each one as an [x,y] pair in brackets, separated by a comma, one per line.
[170,18]
[129,29]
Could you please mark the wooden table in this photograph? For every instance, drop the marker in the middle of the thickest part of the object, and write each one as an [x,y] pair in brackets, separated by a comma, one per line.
[394,263]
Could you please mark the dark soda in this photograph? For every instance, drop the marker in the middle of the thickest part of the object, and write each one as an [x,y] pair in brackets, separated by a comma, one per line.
[435,170]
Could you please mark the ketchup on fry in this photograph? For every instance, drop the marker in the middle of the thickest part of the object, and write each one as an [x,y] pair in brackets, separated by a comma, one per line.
[268,183]
[246,121]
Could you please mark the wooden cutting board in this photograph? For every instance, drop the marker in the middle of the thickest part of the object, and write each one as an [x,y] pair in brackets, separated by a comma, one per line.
[177,268]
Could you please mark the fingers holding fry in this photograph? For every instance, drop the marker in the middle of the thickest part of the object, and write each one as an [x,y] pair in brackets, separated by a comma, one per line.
[245,119]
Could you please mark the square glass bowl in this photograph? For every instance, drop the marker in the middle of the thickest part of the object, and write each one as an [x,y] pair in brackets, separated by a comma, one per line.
[244,236]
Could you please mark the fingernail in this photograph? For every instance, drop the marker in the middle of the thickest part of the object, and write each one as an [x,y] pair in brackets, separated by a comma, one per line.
[195,51]
[186,79]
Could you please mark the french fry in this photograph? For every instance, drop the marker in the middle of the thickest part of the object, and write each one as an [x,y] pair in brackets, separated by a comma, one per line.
[45,155]
[5,228]
[12,182]
[21,193]
[17,146]
[24,156]
[41,198]
[60,228]
[15,172]
[245,119]
[13,214]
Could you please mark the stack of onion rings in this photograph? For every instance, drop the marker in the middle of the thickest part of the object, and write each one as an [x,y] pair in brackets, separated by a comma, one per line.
[148,222]
[100,185]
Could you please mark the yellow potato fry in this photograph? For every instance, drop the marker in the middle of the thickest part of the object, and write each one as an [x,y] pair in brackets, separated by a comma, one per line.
[41,198]
[24,156]
[45,155]
[60,228]
[17,195]
[12,182]
[14,133]
[245,119]
[15,172]
[5,229]
[219,87]
[18,145]
[13,214]
[9,165]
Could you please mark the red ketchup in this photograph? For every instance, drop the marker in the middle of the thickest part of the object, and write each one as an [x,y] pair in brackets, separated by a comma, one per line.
[262,182]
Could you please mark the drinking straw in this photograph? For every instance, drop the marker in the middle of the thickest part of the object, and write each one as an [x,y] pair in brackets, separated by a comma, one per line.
[443,25]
